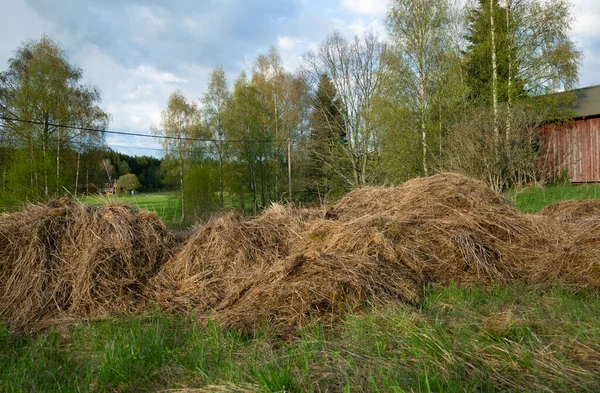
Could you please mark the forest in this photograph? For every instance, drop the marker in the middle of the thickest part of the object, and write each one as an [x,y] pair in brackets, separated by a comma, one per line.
[450,88]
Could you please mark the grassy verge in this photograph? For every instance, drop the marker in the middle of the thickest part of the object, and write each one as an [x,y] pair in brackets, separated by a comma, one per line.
[459,340]
[533,199]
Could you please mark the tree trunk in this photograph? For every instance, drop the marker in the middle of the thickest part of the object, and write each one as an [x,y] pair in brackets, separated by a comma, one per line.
[254,191]
[77,172]
[182,186]
[494,76]
[58,162]
[289,162]
[509,82]
[423,125]
[365,161]
[45,166]
[221,198]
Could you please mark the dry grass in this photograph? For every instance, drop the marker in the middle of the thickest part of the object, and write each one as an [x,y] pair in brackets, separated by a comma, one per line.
[287,267]
[573,209]
[68,259]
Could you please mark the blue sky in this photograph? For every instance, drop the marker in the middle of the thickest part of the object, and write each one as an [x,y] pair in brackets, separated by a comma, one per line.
[138,52]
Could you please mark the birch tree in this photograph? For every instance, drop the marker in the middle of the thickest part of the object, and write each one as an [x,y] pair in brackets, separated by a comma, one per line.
[42,86]
[419,31]
[214,103]
[180,122]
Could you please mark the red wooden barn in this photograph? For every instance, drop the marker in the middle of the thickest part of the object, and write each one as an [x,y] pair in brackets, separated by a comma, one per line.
[573,148]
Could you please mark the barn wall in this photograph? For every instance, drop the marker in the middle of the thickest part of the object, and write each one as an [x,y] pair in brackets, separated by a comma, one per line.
[574,146]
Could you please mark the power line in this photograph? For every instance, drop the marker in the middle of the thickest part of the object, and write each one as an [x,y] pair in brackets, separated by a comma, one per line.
[142,135]
[98,146]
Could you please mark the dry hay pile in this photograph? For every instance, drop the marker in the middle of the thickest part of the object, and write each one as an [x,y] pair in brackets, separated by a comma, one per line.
[573,209]
[578,259]
[287,267]
[226,253]
[376,245]
[246,273]
[65,259]
[451,228]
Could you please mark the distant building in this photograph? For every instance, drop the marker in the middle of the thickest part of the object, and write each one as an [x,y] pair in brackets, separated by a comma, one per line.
[106,188]
[573,148]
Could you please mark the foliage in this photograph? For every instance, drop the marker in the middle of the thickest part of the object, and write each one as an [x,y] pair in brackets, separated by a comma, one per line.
[422,47]
[180,123]
[215,102]
[472,148]
[41,86]
[326,143]
[128,182]
[356,69]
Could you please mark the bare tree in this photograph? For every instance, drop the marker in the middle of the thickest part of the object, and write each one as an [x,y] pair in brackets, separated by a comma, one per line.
[355,69]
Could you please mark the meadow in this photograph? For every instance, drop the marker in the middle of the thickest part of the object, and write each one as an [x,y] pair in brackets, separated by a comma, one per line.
[167,205]
[510,338]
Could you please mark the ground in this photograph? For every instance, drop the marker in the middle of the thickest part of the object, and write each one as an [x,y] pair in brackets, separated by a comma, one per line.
[532,199]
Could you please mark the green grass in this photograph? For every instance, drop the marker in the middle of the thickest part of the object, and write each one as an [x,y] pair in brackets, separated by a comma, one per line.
[532,199]
[459,340]
[166,204]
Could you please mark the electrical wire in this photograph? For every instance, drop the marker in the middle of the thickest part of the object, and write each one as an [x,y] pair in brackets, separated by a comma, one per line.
[142,135]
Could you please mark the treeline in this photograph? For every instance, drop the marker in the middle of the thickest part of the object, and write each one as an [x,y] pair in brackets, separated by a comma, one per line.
[39,159]
[452,88]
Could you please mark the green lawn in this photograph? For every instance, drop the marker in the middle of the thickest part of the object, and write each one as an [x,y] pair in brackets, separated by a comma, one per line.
[458,340]
[532,199]
[166,204]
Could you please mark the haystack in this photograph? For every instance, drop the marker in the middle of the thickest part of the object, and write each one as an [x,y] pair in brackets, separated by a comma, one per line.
[65,259]
[287,267]
[225,254]
[432,196]
[573,209]
[377,245]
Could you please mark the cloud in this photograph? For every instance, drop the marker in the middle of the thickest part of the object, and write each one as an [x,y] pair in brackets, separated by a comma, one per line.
[587,15]
[586,33]
[166,34]
[365,7]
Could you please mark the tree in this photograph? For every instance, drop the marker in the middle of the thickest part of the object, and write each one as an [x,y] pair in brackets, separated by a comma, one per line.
[327,137]
[180,123]
[243,123]
[129,182]
[355,69]
[108,168]
[523,48]
[421,43]
[214,103]
[42,87]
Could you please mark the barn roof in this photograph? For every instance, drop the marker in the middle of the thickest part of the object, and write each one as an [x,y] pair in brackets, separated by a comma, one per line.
[588,101]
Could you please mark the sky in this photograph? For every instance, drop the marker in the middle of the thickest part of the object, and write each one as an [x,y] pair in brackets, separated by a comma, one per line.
[140,51]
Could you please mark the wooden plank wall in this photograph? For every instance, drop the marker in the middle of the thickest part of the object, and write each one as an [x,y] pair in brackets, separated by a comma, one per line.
[574,146]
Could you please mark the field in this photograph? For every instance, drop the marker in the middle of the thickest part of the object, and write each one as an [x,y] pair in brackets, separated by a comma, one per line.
[166,205]
[531,199]
[436,285]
